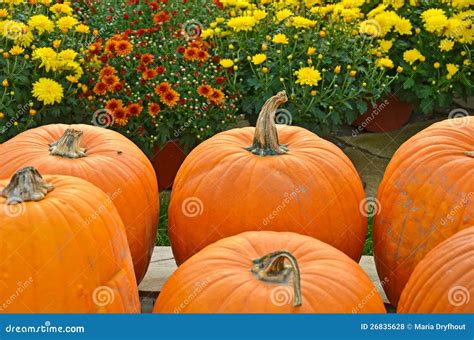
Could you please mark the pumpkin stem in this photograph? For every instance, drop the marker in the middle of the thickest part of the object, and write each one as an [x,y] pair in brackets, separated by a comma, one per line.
[265,141]
[26,185]
[272,268]
[69,145]
[469,153]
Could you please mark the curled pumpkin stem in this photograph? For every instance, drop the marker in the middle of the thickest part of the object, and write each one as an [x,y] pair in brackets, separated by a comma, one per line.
[265,142]
[469,153]
[69,145]
[26,185]
[272,268]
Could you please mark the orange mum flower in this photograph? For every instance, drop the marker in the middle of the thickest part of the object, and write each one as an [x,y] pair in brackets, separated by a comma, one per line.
[202,55]
[110,81]
[161,17]
[191,53]
[162,88]
[120,117]
[134,109]
[113,104]
[100,88]
[153,109]
[217,96]
[123,48]
[149,74]
[170,98]
[147,58]
[117,87]
[110,46]
[107,71]
[204,90]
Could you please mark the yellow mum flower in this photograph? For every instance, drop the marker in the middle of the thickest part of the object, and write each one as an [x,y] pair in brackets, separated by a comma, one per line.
[452,70]
[435,21]
[61,9]
[259,14]
[446,45]
[280,38]
[16,50]
[81,28]
[243,23]
[283,14]
[308,76]
[66,23]
[311,51]
[3,13]
[48,91]
[370,27]
[386,45]
[413,55]
[67,54]
[259,58]
[403,26]
[384,63]
[48,58]
[302,22]
[226,63]
[41,23]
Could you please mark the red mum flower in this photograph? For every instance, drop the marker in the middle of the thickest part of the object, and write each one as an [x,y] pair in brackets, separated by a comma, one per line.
[154,109]
[181,49]
[100,88]
[202,55]
[160,69]
[124,48]
[191,54]
[107,71]
[113,104]
[117,87]
[134,109]
[204,90]
[161,17]
[163,88]
[147,58]
[170,98]
[149,74]
[217,96]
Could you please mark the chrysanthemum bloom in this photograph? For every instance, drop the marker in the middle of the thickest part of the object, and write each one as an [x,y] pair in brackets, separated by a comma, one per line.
[204,90]
[308,76]
[123,48]
[226,63]
[120,116]
[113,104]
[403,26]
[452,70]
[413,55]
[134,109]
[162,88]
[446,45]
[190,54]
[110,46]
[81,28]
[110,81]
[147,58]
[16,50]
[283,14]
[66,23]
[117,87]
[161,17]
[384,63]
[61,9]
[280,38]
[386,45]
[170,98]
[202,55]
[302,22]
[149,74]
[48,91]
[242,23]
[216,97]
[107,71]
[100,88]
[41,23]
[153,109]
[259,58]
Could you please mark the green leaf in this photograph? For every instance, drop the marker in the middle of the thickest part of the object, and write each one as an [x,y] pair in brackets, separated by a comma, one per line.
[408,84]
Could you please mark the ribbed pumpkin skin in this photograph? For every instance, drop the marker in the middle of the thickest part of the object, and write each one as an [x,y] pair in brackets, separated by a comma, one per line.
[426,196]
[56,252]
[443,282]
[218,279]
[313,190]
[113,163]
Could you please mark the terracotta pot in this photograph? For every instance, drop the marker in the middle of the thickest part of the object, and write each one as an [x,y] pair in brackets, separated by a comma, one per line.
[387,115]
[166,161]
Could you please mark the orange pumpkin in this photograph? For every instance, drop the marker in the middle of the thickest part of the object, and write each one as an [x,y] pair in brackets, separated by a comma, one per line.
[443,282]
[245,179]
[104,158]
[426,195]
[63,248]
[269,272]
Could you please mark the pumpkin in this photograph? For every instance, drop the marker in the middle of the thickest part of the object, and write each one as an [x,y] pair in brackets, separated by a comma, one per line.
[426,195]
[269,272]
[63,248]
[104,158]
[443,282]
[272,177]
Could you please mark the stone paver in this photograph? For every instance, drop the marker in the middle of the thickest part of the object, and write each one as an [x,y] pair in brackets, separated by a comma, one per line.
[163,265]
